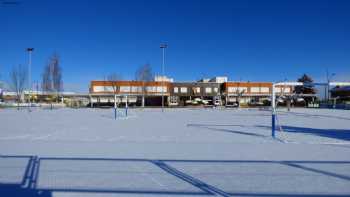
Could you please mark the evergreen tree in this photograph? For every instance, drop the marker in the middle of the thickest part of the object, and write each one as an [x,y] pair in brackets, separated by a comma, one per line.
[307,88]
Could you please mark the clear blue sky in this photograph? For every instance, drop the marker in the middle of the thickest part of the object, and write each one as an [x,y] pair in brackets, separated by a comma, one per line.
[248,40]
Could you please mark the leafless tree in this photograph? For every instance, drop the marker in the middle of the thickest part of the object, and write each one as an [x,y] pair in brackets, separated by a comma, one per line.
[52,76]
[47,79]
[144,74]
[18,77]
[239,94]
[113,80]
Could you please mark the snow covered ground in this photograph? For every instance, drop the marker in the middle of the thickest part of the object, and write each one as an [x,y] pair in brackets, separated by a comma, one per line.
[182,152]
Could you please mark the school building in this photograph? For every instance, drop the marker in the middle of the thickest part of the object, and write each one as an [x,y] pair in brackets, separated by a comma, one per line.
[215,91]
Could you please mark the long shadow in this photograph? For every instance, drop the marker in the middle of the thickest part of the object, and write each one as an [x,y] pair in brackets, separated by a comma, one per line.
[210,127]
[314,115]
[88,189]
[193,181]
[342,134]
[21,188]
[28,185]
[14,190]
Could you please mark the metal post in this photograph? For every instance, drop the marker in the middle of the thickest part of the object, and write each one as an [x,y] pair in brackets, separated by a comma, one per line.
[163,46]
[29,50]
[126,106]
[115,106]
[273,104]
[163,82]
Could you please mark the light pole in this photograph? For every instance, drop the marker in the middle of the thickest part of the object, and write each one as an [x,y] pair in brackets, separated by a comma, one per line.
[30,50]
[163,46]
[329,78]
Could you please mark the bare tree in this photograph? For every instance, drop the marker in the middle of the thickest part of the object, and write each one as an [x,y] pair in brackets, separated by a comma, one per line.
[113,80]
[144,74]
[57,75]
[18,77]
[47,79]
[52,76]
[239,94]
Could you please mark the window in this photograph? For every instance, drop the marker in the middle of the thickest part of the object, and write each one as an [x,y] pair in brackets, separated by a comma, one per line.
[242,89]
[208,90]
[284,89]
[162,89]
[278,90]
[124,88]
[197,90]
[151,88]
[231,89]
[265,89]
[237,89]
[183,89]
[102,89]
[173,99]
[136,89]
[255,89]
[216,90]
[176,90]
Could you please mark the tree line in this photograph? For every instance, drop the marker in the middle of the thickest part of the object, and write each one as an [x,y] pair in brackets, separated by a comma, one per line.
[51,84]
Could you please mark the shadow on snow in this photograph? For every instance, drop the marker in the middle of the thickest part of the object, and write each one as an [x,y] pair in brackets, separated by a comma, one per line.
[342,134]
[28,185]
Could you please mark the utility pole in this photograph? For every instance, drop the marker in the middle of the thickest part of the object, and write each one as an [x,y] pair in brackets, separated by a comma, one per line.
[273,105]
[163,46]
[30,51]
[329,78]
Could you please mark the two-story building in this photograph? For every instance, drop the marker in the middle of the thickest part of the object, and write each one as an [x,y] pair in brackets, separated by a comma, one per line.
[251,92]
[215,91]
[134,92]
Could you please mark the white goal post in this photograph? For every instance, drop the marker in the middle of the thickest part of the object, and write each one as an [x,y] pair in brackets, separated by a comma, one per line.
[273,95]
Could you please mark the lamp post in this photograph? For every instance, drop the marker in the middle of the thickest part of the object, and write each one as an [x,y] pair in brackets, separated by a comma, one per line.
[329,78]
[163,46]
[30,51]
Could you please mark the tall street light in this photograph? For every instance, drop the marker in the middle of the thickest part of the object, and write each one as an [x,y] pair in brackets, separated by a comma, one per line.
[30,50]
[329,78]
[163,46]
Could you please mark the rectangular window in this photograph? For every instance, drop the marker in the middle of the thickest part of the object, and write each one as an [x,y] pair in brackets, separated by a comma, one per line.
[197,90]
[208,90]
[161,89]
[237,89]
[102,89]
[124,88]
[151,88]
[183,89]
[255,89]
[216,90]
[243,89]
[176,90]
[278,90]
[231,89]
[136,89]
[265,89]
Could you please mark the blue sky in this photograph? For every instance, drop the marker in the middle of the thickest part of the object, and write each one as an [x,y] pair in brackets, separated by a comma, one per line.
[247,40]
